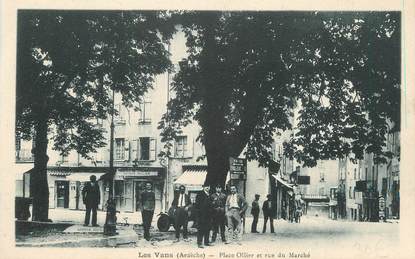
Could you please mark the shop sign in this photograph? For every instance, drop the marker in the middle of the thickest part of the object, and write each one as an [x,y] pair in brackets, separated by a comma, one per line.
[136,174]
[237,165]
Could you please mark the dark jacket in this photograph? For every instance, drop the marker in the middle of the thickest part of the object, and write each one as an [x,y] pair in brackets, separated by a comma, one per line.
[91,195]
[266,209]
[218,200]
[255,208]
[148,200]
[176,200]
[203,207]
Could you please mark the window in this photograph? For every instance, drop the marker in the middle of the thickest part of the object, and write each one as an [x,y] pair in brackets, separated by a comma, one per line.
[350,192]
[321,176]
[144,149]
[366,173]
[354,193]
[119,149]
[145,117]
[354,174]
[180,148]
[119,118]
[64,159]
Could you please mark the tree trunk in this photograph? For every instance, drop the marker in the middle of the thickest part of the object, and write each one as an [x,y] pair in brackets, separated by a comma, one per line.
[39,188]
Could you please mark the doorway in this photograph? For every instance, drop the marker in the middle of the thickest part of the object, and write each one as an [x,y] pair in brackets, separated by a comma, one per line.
[62,194]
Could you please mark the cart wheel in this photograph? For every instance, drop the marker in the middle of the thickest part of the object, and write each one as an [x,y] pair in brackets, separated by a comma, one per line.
[163,223]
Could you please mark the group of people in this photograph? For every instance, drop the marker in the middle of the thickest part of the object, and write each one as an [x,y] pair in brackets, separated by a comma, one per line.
[91,198]
[267,212]
[216,212]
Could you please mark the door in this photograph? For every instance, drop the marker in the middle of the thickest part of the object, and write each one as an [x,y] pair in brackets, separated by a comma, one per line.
[128,195]
[62,194]
[138,189]
[119,194]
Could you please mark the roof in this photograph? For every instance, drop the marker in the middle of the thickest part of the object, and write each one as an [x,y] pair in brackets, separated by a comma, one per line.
[193,177]
[283,182]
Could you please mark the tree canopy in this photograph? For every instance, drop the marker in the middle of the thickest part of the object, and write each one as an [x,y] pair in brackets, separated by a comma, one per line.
[246,74]
[68,64]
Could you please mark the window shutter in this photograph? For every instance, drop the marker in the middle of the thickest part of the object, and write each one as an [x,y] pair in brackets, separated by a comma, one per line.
[134,149]
[152,149]
[138,149]
[126,149]
[190,147]
[173,148]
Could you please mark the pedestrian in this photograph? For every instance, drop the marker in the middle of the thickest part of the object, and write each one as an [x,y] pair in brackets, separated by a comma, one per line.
[218,217]
[181,204]
[255,213]
[203,208]
[91,197]
[298,211]
[148,202]
[235,209]
[268,214]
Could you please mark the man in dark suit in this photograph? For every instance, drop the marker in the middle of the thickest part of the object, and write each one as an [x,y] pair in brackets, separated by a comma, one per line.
[148,203]
[255,214]
[268,213]
[218,221]
[91,198]
[181,204]
[203,207]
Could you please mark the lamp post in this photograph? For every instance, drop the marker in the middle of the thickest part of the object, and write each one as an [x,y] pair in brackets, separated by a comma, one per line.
[110,218]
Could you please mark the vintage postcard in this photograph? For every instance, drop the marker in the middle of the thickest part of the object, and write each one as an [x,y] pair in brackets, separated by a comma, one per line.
[252,130]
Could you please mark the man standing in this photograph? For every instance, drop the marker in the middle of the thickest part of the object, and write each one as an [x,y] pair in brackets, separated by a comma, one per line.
[181,203]
[255,213]
[235,209]
[203,211]
[91,198]
[148,202]
[268,214]
[218,204]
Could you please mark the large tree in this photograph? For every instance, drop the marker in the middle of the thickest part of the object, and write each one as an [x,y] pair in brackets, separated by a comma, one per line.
[68,65]
[247,72]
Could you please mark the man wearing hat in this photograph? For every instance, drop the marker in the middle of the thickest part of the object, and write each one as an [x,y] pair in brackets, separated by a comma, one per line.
[203,207]
[218,222]
[91,198]
[255,213]
[268,214]
[181,203]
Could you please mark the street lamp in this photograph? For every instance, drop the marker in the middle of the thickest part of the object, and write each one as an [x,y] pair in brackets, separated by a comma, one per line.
[110,218]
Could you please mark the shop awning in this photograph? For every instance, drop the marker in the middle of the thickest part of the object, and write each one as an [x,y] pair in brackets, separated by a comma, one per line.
[83,177]
[193,178]
[20,169]
[283,182]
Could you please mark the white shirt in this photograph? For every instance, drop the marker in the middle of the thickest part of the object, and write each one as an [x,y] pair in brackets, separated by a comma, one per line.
[233,201]
[182,202]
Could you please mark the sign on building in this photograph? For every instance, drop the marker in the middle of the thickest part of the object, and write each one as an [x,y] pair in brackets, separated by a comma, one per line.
[237,168]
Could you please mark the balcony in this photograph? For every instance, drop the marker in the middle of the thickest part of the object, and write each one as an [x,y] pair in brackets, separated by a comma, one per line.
[24,156]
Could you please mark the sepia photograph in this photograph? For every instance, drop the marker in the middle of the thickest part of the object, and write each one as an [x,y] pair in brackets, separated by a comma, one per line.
[186,133]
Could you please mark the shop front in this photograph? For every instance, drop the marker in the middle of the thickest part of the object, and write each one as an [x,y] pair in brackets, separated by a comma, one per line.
[129,184]
[283,194]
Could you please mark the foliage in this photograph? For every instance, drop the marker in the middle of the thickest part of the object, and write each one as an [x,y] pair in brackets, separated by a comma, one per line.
[333,78]
[70,61]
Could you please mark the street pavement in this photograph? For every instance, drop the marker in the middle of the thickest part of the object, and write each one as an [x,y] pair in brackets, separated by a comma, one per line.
[315,236]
